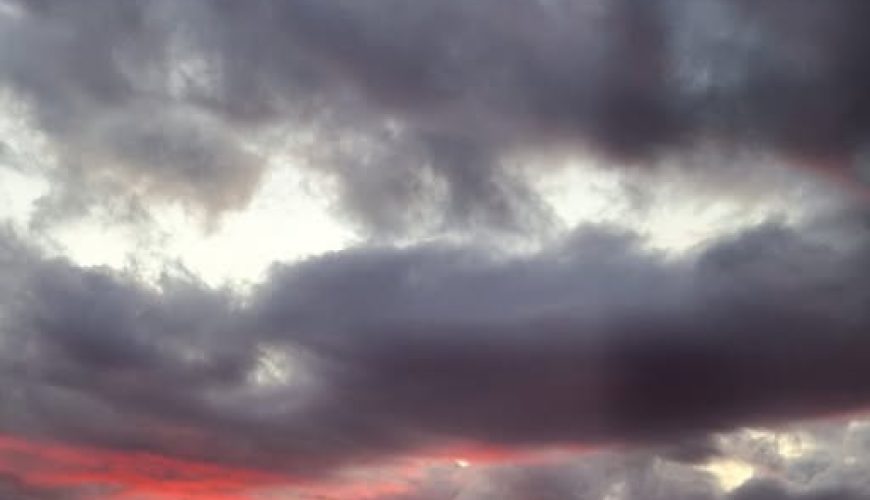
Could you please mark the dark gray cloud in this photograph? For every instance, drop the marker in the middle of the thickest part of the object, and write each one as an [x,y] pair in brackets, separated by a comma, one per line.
[691,450]
[417,108]
[99,75]
[746,332]
[772,490]
[374,351]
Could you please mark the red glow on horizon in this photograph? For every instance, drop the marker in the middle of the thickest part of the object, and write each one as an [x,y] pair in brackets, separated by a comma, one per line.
[125,475]
[131,475]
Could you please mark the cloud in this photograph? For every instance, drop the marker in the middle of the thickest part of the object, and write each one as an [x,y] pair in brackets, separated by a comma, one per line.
[821,460]
[771,490]
[378,351]
[633,475]
[452,341]
[97,76]
[419,114]
[420,109]
[631,78]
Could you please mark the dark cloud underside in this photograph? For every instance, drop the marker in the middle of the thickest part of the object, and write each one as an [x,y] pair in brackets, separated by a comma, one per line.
[409,99]
[418,111]
[382,350]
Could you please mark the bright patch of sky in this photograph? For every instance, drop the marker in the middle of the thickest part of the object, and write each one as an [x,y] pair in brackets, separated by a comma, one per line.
[292,215]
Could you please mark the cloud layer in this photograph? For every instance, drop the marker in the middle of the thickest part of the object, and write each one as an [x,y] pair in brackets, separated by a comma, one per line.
[429,118]
[375,350]
[418,109]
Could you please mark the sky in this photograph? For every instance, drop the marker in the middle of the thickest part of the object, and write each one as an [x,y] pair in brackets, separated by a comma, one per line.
[434,250]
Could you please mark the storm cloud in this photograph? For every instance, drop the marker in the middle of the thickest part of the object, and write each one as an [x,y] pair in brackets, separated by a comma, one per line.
[418,109]
[380,350]
[424,119]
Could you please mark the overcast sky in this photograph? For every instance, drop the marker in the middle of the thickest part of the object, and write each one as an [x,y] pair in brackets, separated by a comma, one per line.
[434,249]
